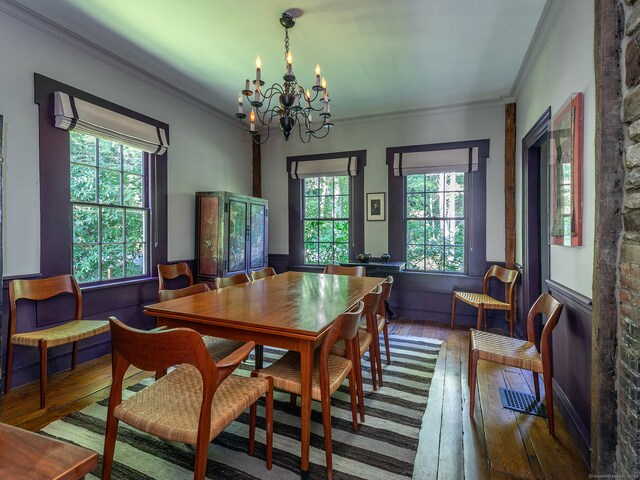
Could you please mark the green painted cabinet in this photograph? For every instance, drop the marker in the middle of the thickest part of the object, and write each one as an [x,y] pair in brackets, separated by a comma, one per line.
[231,234]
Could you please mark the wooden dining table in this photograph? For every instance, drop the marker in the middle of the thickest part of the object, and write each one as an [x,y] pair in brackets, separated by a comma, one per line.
[292,310]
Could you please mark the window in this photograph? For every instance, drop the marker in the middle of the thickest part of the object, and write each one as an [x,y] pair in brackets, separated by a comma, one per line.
[435,222]
[109,209]
[326,208]
[326,220]
[437,207]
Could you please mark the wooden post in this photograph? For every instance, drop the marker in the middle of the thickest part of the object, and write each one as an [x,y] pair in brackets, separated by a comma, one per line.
[257,166]
[609,19]
[510,185]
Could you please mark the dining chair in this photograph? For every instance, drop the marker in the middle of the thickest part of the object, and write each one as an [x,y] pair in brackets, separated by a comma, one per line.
[193,403]
[223,282]
[218,348]
[68,332]
[381,316]
[483,302]
[329,371]
[531,354]
[357,271]
[265,272]
[173,271]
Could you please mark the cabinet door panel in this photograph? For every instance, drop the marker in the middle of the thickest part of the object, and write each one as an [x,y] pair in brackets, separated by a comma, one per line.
[258,231]
[209,240]
[237,236]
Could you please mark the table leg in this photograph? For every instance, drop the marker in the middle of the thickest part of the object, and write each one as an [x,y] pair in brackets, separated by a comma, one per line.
[306,376]
[259,352]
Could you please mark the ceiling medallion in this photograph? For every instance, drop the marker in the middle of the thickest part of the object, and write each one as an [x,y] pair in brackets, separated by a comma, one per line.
[289,101]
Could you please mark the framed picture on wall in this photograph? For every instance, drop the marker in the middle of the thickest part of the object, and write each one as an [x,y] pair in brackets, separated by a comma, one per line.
[565,203]
[375,207]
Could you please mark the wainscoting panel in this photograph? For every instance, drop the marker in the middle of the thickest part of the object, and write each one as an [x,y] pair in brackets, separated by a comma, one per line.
[572,363]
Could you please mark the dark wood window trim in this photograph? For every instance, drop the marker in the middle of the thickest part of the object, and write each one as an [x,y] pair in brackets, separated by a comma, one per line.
[475,208]
[55,205]
[356,193]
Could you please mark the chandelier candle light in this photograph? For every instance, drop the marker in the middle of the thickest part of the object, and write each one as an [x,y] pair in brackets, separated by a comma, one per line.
[289,101]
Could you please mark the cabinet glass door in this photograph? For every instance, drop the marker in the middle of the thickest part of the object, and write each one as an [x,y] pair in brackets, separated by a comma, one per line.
[237,236]
[258,229]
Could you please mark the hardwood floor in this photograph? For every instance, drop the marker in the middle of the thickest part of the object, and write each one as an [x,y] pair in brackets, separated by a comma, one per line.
[496,444]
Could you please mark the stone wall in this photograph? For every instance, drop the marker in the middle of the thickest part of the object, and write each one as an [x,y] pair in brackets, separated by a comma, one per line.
[628,381]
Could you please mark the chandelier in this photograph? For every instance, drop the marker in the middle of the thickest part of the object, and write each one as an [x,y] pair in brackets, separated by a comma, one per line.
[288,101]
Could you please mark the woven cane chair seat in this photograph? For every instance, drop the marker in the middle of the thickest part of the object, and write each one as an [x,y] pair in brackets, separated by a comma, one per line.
[170,407]
[506,350]
[477,299]
[286,373]
[364,340]
[219,348]
[61,334]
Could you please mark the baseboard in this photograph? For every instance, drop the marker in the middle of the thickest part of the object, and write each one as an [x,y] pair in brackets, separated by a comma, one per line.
[578,430]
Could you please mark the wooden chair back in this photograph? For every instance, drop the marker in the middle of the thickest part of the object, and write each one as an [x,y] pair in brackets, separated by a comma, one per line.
[387,285]
[357,271]
[165,295]
[42,289]
[551,308]
[506,276]
[223,282]
[265,272]
[345,327]
[173,271]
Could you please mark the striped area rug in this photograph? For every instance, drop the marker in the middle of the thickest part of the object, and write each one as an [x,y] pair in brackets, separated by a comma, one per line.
[384,447]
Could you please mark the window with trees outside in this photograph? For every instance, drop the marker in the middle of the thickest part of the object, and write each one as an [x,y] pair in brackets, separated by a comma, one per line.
[435,222]
[109,203]
[326,220]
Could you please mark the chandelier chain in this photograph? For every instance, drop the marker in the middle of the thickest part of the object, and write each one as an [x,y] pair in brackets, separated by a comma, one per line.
[286,43]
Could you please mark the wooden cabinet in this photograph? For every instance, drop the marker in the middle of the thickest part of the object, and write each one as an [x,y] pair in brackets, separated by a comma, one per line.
[231,234]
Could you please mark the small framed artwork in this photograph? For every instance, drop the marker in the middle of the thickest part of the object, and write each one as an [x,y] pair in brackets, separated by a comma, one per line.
[566,173]
[375,207]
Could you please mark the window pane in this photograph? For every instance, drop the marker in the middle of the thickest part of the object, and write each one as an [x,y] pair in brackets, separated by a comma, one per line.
[342,252]
[86,263]
[108,154]
[415,183]
[112,261]
[434,182]
[311,231]
[325,185]
[310,186]
[326,207]
[132,159]
[342,206]
[326,231]
[415,205]
[109,187]
[135,259]
[341,185]
[341,231]
[82,148]
[83,183]
[85,224]
[133,190]
[415,257]
[433,206]
[326,253]
[311,207]
[415,232]
[434,258]
[136,226]
[434,233]
[454,259]
[311,253]
[454,232]
[454,182]
[112,225]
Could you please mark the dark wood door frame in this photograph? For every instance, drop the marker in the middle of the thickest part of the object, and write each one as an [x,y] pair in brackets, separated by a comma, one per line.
[531,214]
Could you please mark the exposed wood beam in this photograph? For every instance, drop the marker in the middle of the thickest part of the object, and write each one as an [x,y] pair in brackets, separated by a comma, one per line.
[510,185]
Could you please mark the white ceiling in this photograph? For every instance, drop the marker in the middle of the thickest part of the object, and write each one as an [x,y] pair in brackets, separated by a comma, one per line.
[378,56]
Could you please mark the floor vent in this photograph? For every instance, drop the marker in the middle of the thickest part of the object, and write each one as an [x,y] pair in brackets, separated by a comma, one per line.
[522,402]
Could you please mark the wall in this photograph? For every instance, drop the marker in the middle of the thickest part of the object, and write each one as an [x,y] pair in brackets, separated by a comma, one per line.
[564,65]
[206,152]
[375,134]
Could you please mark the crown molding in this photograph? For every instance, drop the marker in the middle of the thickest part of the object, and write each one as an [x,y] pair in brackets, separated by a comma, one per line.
[547,20]
[64,35]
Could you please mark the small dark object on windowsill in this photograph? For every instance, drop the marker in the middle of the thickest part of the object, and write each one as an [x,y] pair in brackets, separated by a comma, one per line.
[385,257]
[364,257]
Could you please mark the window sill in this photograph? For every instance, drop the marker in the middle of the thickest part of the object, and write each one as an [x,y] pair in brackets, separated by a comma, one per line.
[123,283]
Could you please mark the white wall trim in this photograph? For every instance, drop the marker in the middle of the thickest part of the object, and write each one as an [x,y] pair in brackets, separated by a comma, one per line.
[547,20]
[48,27]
